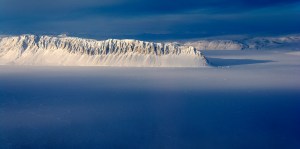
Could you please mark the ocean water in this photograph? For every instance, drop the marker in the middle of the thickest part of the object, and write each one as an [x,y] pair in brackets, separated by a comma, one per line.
[248,100]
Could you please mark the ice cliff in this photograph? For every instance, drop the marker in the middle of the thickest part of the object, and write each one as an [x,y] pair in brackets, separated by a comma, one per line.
[72,51]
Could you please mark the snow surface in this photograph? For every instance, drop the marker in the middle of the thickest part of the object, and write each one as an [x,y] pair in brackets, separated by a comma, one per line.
[71,51]
[250,100]
[291,42]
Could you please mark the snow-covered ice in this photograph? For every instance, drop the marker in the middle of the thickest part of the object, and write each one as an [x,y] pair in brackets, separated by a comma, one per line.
[249,99]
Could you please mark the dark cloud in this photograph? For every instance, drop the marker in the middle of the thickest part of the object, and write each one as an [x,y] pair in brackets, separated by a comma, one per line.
[140,7]
[121,8]
[149,19]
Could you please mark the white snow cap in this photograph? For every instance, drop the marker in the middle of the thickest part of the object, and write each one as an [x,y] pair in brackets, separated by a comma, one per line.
[71,51]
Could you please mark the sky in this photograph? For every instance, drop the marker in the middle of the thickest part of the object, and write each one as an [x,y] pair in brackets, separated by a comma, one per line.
[150,19]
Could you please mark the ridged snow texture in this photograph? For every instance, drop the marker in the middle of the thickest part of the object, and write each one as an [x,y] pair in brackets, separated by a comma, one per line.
[71,51]
[216,45]
[291,42]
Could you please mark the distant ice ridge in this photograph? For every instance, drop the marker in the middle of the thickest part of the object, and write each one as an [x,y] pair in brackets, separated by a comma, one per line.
[216,45]
[72,51]
[291,42]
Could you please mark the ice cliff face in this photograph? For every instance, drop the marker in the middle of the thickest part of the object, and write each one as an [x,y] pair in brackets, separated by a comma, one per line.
[71,51]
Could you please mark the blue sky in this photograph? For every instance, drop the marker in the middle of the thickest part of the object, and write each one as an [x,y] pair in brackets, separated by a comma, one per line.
[150,19]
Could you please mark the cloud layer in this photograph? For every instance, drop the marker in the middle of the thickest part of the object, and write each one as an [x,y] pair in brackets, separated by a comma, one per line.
[145,19]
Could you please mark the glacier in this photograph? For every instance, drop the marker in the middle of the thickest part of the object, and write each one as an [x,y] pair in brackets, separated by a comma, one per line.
[73,51]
